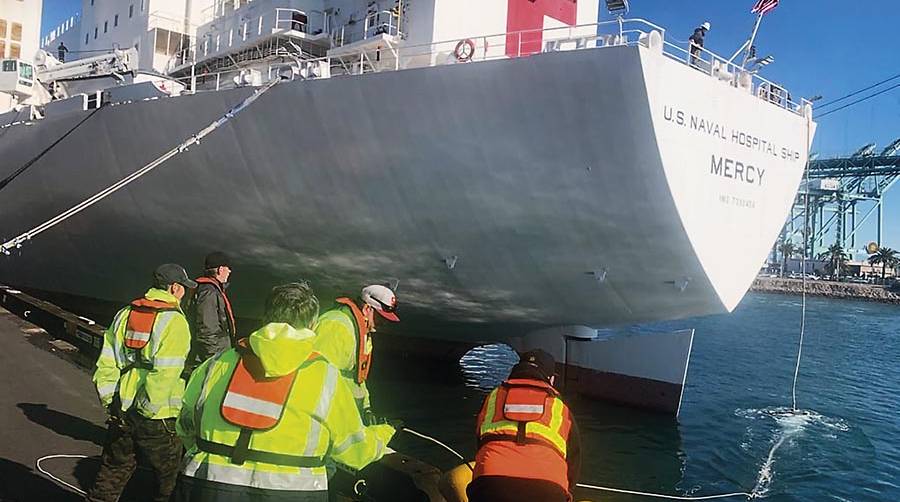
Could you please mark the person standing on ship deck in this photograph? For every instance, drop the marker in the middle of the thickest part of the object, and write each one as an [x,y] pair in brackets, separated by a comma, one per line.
[61,52]
[529,447]
[696,41]
[138,380]
[210,312]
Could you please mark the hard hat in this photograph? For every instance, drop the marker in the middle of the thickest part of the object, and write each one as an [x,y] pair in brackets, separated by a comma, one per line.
[706,26]
[382,299]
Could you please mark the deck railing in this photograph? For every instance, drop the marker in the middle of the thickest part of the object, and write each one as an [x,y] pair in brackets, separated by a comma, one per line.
[616,33]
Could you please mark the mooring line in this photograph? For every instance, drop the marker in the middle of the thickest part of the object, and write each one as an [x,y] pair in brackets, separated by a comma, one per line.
[90,201]
[56,479]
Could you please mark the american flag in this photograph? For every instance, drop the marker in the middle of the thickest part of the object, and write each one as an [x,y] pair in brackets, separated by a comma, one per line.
[763,6]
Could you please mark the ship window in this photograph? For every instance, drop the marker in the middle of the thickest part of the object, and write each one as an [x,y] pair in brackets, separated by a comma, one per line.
[92,2]
[170,43]
[87,37]
[25,71]
[116,21]
[105,26]
[142,5]
[95,33]
[2,30]
[15,50]
[131,11]
[16,32]
[8,65]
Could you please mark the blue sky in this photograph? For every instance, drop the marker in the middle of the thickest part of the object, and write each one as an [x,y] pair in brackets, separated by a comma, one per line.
[821,47]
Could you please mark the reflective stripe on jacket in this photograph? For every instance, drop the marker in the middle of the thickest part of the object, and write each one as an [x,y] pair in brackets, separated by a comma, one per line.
[148,378]
[337,341]
[523,430]
[319,418]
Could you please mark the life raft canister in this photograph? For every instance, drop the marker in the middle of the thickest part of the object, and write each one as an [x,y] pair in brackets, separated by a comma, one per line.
[140,322]
[464,51]
[363,353]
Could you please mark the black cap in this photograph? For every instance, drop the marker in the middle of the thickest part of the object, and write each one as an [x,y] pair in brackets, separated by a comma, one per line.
[171,273]
[535,364]
[217,259]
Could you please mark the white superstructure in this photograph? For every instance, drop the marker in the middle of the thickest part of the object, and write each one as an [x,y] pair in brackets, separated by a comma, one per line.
[20,25]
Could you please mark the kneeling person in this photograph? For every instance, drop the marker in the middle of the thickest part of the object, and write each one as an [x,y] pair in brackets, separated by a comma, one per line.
[259,421]
[528,444]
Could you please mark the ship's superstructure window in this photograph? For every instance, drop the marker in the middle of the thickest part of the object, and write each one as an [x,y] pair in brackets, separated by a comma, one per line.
[16,32]
[95,32]
[142,5]
[87,38]
[170,43]
[15,51]
[92,3]
[131,11]
[116,21]
[105,26]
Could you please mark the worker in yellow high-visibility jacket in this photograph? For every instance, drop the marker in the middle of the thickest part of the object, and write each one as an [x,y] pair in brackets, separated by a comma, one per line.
[344,337]
[260,421]
[138,380]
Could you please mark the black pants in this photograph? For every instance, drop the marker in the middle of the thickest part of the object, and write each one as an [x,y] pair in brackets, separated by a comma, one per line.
[506,489]
[128,440]
[200,490]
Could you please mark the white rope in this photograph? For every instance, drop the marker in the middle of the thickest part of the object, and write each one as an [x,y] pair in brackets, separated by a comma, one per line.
[803,274]
[669,497]
[593,487]
[435,441]
[90,201]
[56,479]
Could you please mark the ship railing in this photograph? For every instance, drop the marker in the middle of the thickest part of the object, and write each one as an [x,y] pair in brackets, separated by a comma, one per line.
[615,33]
[383,22]
[737,75]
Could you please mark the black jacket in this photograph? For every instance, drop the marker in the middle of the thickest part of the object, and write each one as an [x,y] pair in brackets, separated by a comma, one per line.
[697,37]
[211,328]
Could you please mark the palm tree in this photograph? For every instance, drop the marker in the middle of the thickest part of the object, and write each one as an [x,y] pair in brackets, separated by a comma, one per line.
[837,260]
[787,249]
[884,256]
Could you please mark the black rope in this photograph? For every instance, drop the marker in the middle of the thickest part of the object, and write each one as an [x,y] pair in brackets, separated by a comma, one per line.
[17,172]
[860,100]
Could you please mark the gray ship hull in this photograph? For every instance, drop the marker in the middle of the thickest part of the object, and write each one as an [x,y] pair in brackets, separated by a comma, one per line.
[528,191]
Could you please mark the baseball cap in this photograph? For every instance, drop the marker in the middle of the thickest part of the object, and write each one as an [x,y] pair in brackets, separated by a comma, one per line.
[382,299]
[170,273]
[217,259]
[538,361]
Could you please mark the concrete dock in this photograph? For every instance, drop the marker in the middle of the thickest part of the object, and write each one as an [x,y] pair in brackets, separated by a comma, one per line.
[48,406]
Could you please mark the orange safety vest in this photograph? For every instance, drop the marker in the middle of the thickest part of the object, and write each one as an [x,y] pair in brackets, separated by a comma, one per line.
[523,430]
[140,322]
[221,290]
[254,402]
[363,355]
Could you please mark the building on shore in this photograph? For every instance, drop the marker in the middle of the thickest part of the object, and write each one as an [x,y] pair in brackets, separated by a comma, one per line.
[20,33]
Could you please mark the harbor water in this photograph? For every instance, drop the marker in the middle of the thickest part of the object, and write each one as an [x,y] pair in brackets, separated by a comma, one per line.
[843,445]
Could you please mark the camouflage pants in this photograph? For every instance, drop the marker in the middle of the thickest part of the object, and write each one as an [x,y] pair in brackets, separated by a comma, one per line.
[134,438]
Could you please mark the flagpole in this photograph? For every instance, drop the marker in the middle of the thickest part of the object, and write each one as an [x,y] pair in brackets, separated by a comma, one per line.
[749,43]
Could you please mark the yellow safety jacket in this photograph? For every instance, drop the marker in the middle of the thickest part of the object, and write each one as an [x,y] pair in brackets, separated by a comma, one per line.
[148,378]
[337,341]
[317,419]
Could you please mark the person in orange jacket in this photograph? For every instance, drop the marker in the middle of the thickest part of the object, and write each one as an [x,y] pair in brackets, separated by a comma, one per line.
[529,447]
